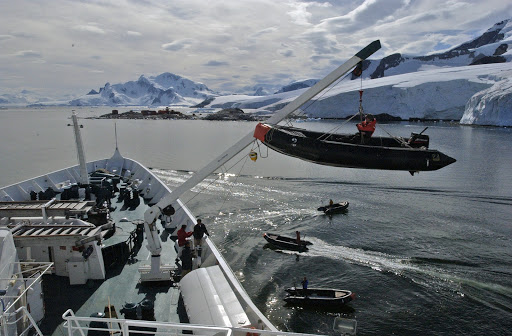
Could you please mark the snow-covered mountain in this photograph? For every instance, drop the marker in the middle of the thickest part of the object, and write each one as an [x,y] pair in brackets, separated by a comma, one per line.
[296,85]
[441,93]
[27,97]
[467,83]
[164,89]
[493,46]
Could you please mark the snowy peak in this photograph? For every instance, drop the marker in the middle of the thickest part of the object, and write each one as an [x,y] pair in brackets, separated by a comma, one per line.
[499,26]
[296,85]
[493,46]
[164,89]
[181,85]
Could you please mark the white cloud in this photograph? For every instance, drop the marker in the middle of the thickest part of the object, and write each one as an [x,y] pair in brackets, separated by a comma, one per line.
[177,45]
[133,33]
[238,40]
[90,29]
[6,37]
[28,54]
[264,31]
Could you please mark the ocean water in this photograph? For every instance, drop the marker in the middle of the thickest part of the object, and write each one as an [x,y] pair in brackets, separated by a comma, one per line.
[426,254]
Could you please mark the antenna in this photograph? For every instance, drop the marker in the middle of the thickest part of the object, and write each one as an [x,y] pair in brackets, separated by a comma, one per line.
[115,132]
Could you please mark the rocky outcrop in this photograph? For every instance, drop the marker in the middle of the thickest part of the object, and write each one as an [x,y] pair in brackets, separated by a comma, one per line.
[230,114]
[387,62]
[489,60]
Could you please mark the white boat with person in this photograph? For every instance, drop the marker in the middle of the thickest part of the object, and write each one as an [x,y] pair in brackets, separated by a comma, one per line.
[73,259]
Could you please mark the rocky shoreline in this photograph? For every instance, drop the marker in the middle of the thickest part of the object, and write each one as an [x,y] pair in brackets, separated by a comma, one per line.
[230,114]
[235,114]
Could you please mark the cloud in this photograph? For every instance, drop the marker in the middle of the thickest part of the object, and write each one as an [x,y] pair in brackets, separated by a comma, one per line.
[366,14]
[235,51]
[28,54]
[6,37]
[133,33]
[299,13]
[90,29]
[177,45]
[295,38]
[264,31]
[287,53]
[321,42]
[216,63]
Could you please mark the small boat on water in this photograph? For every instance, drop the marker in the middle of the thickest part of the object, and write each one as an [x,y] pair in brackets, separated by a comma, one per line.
[334,208]
[318,297]
[286,243]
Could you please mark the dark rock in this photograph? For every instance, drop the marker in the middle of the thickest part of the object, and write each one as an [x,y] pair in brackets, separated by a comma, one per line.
[387,62]
[204,103]
[489,59]
[230,114]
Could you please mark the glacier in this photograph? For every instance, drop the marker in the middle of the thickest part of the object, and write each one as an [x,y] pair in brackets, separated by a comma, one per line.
[438,93]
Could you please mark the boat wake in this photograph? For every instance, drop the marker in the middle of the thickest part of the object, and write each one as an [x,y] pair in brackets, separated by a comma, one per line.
[424,273]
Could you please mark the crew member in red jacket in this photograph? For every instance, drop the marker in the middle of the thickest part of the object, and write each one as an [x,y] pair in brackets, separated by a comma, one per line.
[182,237]
[367,126]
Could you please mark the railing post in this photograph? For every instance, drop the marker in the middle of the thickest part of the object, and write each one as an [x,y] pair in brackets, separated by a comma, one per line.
[3,322]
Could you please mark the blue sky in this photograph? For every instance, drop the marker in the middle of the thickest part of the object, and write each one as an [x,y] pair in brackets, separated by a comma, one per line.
[67,47]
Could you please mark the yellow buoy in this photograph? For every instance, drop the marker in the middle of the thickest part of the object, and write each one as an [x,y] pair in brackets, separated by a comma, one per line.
[253,155]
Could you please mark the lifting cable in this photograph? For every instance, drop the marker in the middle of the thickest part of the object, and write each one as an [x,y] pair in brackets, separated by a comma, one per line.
[360,112]
[400,140]
[328,134]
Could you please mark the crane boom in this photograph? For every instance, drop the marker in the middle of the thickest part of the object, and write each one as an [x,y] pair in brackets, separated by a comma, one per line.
[276,118]
[152,213]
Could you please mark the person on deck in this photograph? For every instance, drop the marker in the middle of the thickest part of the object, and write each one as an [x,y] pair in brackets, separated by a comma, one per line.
[199,232]
[186,259]
[182,237]
[297,237]
[367,127]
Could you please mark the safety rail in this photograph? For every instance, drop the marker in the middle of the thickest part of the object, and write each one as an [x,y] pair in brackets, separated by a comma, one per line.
[20,314]
[20,318]
[80,326]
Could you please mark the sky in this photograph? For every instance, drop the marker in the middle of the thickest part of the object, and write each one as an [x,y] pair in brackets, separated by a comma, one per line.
[62,48]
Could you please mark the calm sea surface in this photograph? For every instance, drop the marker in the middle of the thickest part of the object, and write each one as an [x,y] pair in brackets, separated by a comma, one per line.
[428,254]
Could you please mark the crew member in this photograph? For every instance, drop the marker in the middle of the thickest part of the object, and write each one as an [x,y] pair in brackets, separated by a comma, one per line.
[182,238]
[199,231]
[367,127]
[304,283]
[186,259]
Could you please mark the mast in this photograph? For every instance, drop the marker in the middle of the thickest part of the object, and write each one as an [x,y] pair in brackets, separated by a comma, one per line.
[84,177]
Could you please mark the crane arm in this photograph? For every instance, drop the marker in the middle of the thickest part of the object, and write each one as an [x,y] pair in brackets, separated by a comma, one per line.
[152,213]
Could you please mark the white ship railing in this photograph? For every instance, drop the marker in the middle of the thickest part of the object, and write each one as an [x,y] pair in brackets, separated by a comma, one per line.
[22,313]
[20,318]
[80,326]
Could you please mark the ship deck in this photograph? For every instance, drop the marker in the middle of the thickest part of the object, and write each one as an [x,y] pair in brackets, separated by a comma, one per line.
[122,284]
